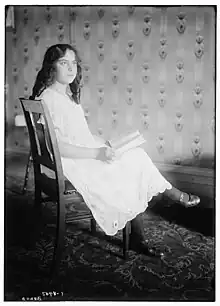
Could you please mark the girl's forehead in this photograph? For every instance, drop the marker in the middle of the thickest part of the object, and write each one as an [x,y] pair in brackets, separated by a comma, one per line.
[69,55]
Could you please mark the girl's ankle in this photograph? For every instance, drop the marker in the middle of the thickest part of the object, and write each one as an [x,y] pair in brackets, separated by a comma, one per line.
[184,197]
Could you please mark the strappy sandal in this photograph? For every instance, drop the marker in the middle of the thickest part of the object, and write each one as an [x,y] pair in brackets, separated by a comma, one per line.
[193,200]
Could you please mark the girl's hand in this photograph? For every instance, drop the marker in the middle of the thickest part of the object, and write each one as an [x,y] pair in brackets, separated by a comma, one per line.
[105,154]
[107,143]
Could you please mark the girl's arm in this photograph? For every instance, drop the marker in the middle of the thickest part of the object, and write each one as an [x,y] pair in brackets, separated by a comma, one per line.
[71,151]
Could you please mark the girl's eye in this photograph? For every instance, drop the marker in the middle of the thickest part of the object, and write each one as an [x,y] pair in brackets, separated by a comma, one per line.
[63,63]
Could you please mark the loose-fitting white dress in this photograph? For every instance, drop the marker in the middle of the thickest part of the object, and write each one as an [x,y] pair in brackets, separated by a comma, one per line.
[115,192]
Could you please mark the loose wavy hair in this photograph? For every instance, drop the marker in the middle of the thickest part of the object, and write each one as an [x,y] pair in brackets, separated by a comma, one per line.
[46,75]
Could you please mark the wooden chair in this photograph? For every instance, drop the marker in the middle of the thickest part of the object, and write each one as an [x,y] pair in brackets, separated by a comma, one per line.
[57,189]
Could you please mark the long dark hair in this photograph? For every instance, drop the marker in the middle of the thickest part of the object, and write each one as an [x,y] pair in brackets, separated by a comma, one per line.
[46,75]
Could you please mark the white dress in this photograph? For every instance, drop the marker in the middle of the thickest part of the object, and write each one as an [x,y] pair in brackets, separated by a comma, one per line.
[115,192]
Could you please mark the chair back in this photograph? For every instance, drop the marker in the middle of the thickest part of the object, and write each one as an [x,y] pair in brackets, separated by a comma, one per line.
[43,142]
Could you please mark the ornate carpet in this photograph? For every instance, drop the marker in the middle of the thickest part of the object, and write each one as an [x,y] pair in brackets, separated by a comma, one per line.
[92,267]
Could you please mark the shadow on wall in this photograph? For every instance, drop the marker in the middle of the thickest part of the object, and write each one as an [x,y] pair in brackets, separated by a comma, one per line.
[199,180]
[194,179]
[204,161]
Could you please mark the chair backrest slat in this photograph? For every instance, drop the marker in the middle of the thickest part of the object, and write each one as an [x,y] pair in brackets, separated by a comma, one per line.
[44,147]
[35,107]
[44,162]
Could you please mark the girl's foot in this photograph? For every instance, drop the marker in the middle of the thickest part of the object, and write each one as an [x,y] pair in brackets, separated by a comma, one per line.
[183,198]
[142,246]
[188,200]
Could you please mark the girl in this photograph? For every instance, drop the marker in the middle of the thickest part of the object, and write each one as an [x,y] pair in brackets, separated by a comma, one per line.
[115,189]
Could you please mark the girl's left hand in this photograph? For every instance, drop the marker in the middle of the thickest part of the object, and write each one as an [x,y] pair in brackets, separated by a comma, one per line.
[105,154]
[110,153]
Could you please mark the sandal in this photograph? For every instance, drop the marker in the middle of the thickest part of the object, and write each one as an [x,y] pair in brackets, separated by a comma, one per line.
[150,250]
[143,247]
[193,200]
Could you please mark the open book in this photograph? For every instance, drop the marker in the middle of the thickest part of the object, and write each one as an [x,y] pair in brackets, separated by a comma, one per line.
[126,141]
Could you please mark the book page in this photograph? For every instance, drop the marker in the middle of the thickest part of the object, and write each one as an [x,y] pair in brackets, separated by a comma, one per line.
[130,145]
[123,139]
[126,142]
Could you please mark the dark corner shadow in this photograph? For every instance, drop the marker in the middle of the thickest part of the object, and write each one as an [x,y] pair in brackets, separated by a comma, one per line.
[21,223]
[24,227]
[200,218]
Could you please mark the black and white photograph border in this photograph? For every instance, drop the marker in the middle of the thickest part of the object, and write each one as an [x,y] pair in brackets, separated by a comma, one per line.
[140,69]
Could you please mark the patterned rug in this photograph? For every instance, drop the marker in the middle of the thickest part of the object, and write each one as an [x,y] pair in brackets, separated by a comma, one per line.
[92,267]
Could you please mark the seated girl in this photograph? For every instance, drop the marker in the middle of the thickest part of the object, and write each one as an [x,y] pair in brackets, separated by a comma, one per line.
[117,189]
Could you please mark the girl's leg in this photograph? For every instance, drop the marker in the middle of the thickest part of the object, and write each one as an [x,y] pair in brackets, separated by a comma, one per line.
[183,198]
[175,194]
[137,226]
[138,241]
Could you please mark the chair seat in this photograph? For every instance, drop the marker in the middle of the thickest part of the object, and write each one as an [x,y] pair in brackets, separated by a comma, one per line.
[75,205]
[49,187]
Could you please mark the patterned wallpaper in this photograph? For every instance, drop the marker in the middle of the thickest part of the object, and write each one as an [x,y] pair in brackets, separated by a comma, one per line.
[151,68]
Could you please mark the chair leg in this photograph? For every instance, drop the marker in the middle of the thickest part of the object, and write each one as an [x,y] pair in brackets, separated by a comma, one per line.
[126,235]
[28,166]
[37,201]
[93,226]
[59,239]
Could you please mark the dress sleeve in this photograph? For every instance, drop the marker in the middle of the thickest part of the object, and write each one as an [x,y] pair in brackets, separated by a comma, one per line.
[57,117]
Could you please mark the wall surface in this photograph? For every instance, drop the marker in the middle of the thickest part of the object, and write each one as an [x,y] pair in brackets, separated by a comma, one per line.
[149,68]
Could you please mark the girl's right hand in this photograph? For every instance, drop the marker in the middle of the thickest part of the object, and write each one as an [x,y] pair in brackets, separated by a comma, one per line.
[105,154]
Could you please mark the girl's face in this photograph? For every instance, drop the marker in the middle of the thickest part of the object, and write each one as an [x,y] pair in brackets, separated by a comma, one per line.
[66,68]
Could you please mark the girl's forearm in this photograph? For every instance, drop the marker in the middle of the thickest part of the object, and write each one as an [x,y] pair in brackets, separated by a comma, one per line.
[72,151]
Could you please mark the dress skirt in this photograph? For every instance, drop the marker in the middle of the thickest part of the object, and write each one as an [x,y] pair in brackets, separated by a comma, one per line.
[118,191]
